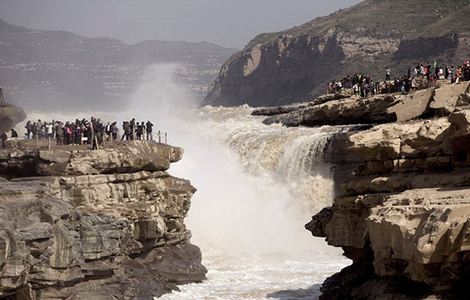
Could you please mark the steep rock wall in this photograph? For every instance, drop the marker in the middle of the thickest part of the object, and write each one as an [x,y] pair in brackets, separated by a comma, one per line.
[102,224]
[401,210]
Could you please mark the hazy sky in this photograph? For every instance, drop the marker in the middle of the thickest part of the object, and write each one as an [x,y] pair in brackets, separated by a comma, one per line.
[229,23]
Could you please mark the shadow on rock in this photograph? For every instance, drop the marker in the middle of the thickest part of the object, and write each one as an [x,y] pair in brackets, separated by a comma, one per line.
[310,293]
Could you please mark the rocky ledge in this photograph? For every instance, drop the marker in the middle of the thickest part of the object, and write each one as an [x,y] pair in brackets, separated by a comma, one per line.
[402,205]
[402,191]
[344,109]
[94,224]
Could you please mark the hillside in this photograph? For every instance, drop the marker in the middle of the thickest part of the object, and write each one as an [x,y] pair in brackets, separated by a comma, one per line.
[294,65]
[62,70]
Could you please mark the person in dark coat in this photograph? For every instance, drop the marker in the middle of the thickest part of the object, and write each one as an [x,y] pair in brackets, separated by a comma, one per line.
[149,131]
[14,134]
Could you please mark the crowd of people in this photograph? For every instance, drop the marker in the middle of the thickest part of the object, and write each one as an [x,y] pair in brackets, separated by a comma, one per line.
[92,131]
[361,85]
[421,76]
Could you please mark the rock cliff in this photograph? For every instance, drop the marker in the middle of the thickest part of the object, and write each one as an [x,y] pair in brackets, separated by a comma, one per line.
[402,209]
[102,224]
[294,65]
[402,182]
[341,109]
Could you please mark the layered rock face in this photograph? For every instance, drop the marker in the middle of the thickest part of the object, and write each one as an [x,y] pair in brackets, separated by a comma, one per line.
[343,109]
[295,65]
[102,224]
[402,183]
[401,210]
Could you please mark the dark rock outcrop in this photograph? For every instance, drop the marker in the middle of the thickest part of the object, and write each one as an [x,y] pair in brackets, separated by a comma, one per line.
[295,65]
[102,224]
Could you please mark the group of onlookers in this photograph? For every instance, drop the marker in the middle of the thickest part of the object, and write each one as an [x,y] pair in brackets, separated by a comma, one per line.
[87,132]
[436,72]
[137,131]
[364,86]
[361,85]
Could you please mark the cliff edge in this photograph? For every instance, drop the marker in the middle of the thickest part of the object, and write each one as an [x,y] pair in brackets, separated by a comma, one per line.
[94,224]
[295,65]
[402,183]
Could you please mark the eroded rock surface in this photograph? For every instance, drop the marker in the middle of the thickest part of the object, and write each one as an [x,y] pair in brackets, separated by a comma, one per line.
[340,109]
[402,210]
[102,224]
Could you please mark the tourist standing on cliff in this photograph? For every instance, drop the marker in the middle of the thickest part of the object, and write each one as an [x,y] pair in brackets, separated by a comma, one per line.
[60,133]
[126,128]
[39,132]
[29,130]
[139,131]
[14,134]
[49,130]
[114,131]
[132,129]
[466,71]
[388,74]
[149,131]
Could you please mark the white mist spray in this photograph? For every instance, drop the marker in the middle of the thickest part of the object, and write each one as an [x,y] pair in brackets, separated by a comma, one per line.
[256,186]
[236,208]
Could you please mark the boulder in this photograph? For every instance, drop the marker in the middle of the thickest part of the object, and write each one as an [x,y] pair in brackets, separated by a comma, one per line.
[446,98]
[411,106]
[346,111]
[377,109]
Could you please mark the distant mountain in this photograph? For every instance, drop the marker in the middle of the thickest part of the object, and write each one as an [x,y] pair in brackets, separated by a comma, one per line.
[294,65]
[62,70]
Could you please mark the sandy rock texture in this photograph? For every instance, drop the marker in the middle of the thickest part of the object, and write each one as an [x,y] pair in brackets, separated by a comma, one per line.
[102,224]
[341,109]
[402,210]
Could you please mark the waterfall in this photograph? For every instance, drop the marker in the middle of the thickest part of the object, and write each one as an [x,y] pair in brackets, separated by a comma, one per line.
[257,187]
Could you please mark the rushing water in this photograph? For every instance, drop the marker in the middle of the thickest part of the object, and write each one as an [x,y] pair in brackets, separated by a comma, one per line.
[257,187]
